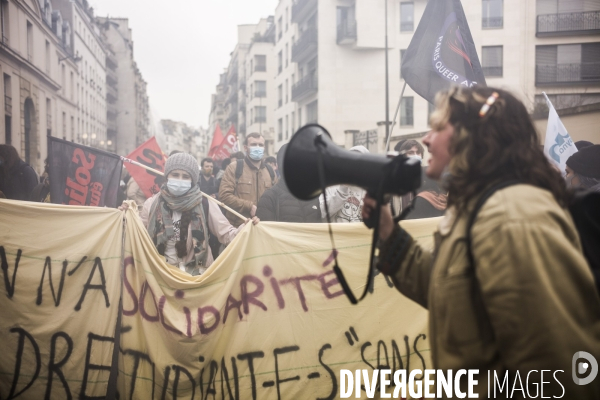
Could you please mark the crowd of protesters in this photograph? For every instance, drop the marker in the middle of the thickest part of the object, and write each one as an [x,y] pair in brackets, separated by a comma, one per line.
[252,184]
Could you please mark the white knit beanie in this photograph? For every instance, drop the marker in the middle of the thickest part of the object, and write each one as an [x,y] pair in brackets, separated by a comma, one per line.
[185,162]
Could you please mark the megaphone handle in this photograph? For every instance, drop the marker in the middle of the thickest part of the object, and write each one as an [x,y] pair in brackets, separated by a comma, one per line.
[374,217]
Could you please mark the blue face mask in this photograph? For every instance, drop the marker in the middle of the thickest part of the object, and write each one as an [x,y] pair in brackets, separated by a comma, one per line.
[178,187]
[256,153]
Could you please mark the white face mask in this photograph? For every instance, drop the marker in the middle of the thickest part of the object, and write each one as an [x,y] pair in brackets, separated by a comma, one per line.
[178,187]
[416,157]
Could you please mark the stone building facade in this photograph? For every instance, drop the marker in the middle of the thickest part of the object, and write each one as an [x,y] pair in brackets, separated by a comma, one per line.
[39,74]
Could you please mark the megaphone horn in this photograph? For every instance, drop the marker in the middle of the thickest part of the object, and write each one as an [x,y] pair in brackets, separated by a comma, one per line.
[311,146]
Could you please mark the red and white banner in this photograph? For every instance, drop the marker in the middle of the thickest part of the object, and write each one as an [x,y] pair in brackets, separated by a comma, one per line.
[216,141]
[228,146]
[149,154]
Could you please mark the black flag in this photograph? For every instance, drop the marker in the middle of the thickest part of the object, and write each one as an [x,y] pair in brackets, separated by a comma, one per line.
[81,175]
[442,52]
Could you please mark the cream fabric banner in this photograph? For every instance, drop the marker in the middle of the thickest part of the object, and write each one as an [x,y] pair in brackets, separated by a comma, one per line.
[268,320]
[59,299]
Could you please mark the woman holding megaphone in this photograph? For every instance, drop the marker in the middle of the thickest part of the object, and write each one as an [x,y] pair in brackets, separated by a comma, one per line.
[509,293]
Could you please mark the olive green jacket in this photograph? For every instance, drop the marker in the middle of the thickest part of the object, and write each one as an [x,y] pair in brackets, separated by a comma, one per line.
[529,303]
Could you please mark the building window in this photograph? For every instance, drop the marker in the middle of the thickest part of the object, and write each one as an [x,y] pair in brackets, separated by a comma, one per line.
[7,109]
[63,80]
[280,96]
[286,18]
[407,17]
[287,53]
[64,125]
[29,41]
[287,89]
[260,114]
[5,22]
[402,52]
[72,83]
[346,25]
[430,110]
[280,129]
[261,89]
[299,117]
[48,57]
[406,108]
[569,63]
[72,127]
[491,60]
[260,63]
[293,120]
[279,62]
[287,127]
[280,29]
[49,116]
[492,14]
[312,112]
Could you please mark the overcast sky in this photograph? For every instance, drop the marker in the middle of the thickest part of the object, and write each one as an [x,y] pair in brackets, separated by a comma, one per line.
[181,47]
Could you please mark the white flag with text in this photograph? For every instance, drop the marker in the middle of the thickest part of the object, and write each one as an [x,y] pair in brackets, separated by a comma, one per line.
[558,145]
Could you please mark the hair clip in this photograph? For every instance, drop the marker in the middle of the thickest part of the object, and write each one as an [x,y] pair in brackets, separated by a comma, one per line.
[488,103]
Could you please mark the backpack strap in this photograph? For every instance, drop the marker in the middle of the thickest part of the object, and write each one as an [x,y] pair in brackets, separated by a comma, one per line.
[473,217]
[205,209]
[272,173]
[239,169]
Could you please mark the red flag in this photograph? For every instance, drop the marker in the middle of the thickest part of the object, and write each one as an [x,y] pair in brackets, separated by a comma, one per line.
[216,141]
[149,154]
[228,146]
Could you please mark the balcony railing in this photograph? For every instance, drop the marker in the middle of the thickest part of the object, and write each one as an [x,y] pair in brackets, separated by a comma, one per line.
[578,23]
[8,105]
[567,73]
[306,86]
[302,9]
[111,93]
[492,22]
[306,45]
[111,125]
[111,76]
[111,61]
[233,96]
[260,119]
[492,71]
[233,75]
[260,68]
[111,111]
[260,93]
[346,33]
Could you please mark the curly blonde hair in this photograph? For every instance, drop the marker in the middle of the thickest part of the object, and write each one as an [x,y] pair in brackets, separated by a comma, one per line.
[500,145]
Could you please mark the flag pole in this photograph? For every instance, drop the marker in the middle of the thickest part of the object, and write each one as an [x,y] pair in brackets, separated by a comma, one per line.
[387,145]
[220,203]
[387,79]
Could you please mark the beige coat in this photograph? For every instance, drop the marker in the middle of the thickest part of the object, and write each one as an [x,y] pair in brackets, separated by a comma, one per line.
[135,193]
[531,303]
[251,185]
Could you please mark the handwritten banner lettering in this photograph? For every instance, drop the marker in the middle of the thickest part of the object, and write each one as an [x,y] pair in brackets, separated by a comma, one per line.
[268,319]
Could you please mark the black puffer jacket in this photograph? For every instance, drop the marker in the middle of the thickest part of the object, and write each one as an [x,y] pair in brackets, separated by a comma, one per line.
[278,204]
